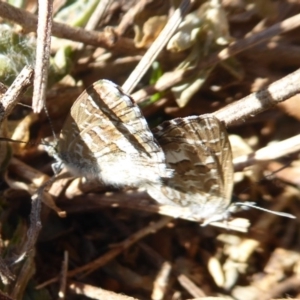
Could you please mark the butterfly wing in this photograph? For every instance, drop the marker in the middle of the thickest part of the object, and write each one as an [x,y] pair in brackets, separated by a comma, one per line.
[198,150]
[106,136]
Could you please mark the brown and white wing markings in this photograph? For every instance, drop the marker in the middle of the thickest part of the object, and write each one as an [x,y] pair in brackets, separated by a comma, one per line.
[107,137]
[198,150]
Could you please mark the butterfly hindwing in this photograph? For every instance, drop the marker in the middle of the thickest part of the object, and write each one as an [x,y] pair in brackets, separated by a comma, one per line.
[198,150]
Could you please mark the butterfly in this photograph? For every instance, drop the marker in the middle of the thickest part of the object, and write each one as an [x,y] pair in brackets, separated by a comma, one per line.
[185,162]
[198,151]
[106,137]
[197,148]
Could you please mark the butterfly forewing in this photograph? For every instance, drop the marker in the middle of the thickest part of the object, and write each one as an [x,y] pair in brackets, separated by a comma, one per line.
[198,150]
[107,137]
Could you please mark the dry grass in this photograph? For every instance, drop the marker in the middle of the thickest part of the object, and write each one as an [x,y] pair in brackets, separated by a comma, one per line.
[116,243]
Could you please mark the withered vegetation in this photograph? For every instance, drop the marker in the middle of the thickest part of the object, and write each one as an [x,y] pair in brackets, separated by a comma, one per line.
[98,242]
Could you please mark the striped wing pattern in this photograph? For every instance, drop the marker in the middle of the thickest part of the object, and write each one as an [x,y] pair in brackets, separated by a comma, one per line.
[198,150]
[107,137]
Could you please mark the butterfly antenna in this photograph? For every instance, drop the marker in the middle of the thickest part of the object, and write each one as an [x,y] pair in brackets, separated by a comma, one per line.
[50,121]
[252,205]
[25,105]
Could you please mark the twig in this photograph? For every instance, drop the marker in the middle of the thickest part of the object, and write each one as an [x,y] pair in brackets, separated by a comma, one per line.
[141,201]
[160,263]
[5,274]
[172,78]
[28,174]
[286,285]
[161,281]
[274,151]
[4,296]
[94,265]
[42,54]
[257,102]
[35,220]
[63,277]
[94,292]
[104,259]
[98,14]
[39,195]
[157,46]
[128,18]
[106,39]
[190,286]
[23,278]
[15,92]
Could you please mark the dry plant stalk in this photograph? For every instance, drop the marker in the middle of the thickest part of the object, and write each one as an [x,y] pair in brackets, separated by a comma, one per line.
[42,54]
